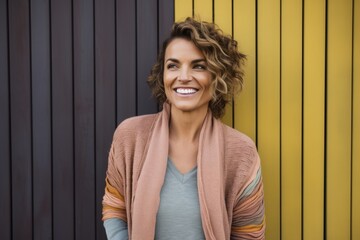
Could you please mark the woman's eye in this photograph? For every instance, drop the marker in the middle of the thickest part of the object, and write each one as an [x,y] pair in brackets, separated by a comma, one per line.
[171,66]
[199,66]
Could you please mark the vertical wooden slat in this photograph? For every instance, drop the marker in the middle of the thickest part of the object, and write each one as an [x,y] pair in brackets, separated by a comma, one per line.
[125,59]
[20,99]
[62,119]
[245,34]
[355,221]
[41,106]
[105,79]
[338,131]
[223,15]
[291,119]
[84,167]
[314,95]
[166,19]
[203,9]
[147,43]
[269,109]
[183,9]
[5,170]
[223,18]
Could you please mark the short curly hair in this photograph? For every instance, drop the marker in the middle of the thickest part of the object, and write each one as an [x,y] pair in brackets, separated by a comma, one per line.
[224,61]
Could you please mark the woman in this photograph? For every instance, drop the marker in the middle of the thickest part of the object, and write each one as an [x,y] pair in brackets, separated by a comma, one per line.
[181,173]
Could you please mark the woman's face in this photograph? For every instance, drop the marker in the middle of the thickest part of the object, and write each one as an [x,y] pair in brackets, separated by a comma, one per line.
[187,81]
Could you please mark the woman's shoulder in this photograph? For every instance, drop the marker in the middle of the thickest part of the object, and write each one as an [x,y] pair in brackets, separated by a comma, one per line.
[240,140]
[241,158]
[240,149]
[137,125]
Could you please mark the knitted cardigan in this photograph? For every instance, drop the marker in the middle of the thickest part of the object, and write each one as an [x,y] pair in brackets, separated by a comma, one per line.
[229,178]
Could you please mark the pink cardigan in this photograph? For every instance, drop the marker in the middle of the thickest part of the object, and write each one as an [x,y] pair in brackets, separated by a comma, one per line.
[229,178]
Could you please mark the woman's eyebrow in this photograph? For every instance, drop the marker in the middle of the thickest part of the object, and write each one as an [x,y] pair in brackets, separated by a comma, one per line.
[172,60]
[198,60]
[193,61]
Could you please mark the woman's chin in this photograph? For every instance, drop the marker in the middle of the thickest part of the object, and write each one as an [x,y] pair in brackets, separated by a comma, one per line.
[189,108]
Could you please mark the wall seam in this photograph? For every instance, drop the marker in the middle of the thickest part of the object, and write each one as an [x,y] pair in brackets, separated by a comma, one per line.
[325,119]
[136,60]
[232,35]
[256,73]
[51,124]
[94,116]
[10,125]
[73,117]
[31,125]
[302,113]
[280,120]
[352,119]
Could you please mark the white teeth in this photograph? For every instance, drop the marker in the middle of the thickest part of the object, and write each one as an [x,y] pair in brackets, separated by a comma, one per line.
[185,90]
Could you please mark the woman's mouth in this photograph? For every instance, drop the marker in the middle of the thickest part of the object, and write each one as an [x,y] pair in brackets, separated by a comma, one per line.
[186,91]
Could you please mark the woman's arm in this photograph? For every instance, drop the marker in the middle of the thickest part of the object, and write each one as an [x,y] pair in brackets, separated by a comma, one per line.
[249,213]
[114,209]
[116,229]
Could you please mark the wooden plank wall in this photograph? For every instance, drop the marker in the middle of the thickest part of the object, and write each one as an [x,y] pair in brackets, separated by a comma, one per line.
[301,106]
[70,71]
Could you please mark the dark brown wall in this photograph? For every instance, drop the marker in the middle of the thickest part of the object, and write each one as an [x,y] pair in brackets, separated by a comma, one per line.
[70,71]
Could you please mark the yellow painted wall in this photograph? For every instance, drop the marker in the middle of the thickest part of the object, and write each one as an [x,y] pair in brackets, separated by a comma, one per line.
[301,105]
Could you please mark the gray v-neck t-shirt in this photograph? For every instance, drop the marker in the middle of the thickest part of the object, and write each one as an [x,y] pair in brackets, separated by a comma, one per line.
[178,216]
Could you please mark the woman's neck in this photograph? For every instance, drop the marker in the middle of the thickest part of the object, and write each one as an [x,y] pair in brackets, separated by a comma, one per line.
[186,126]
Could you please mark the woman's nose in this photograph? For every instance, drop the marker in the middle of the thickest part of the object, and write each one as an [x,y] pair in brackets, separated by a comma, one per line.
[185,74]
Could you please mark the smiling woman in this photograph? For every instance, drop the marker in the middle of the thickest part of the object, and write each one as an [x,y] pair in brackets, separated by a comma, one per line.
[181,173]
[187,81]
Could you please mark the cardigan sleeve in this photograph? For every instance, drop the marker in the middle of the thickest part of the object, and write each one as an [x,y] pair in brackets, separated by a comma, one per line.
[116,229]
[248,214]
[113,200]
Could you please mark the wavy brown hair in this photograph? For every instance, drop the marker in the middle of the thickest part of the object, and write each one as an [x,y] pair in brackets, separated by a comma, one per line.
[224,62]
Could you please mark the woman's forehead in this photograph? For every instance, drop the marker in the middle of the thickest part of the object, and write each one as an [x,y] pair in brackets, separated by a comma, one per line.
[182,48]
